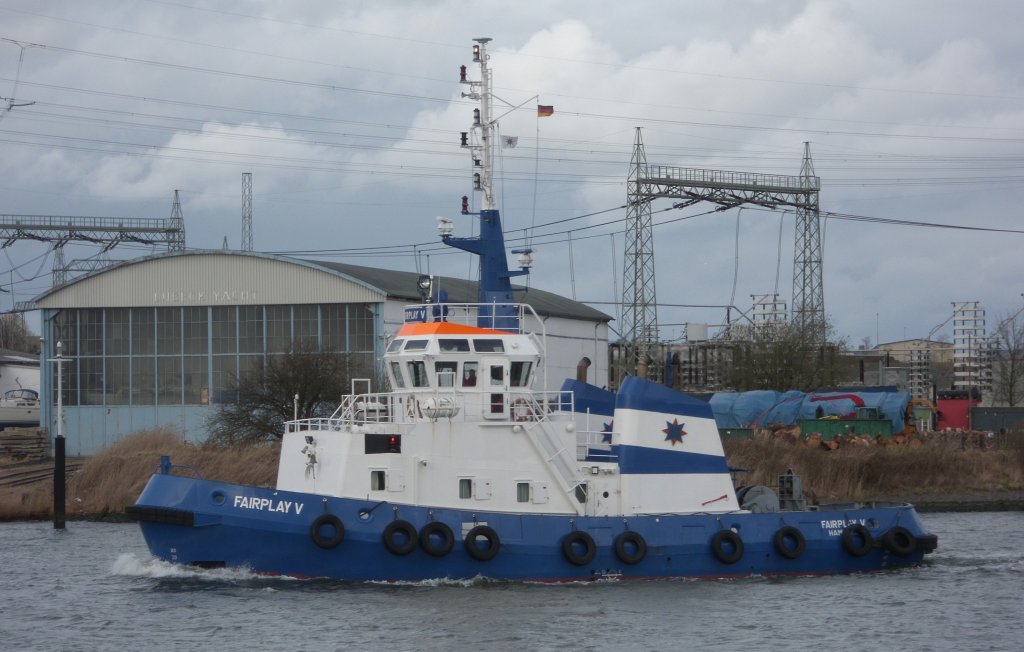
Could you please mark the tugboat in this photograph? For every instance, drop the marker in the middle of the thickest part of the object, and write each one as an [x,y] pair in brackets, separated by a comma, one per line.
[463,470]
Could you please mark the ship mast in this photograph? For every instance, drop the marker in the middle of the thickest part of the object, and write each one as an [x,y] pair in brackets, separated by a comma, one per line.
[495,284]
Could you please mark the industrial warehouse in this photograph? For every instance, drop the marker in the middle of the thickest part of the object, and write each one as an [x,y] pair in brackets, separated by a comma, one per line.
[161,340]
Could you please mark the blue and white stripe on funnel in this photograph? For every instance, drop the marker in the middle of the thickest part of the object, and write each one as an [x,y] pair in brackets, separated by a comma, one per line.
[669,448]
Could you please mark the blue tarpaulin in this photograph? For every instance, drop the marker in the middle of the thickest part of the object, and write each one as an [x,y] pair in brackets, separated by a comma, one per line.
[760,408]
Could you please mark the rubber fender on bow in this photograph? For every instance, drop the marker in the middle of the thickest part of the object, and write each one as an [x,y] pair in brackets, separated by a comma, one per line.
[727,546]
[572,543]
[857,540]
[630,547]
[491,543]
[436,539]
[790,542]
[400,537]
[899,541]
[316,531]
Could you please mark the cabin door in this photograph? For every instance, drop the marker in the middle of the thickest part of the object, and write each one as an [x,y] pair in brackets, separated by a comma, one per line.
[495,395]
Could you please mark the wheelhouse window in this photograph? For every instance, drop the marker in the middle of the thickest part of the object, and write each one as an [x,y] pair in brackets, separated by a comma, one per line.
[418,373]
[376,481]
[445,372]
[489,346]
[396,373]
[416,345]
[520,372]
[453,345]
[395,346]
[497,375]
[469,371]
[465,487]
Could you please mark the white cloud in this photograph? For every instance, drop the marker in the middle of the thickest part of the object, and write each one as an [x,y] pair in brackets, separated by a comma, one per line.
[724,88]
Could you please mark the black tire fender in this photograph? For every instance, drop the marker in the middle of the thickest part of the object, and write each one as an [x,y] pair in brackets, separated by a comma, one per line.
[569,547]
[857,540]
[899,541]
[785,535]
[434,529]
[474,550]
[327,542]
[719,543]
[622,545]
[395,544]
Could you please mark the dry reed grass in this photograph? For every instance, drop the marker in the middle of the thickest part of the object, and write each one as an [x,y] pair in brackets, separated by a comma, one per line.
[26,503]
[113,479]
[879,472]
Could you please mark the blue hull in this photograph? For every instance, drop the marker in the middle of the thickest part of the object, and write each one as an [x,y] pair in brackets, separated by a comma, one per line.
[204,523]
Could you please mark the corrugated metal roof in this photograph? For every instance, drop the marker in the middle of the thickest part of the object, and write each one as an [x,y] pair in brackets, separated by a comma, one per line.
[129,285]
[8,356]
[402,285]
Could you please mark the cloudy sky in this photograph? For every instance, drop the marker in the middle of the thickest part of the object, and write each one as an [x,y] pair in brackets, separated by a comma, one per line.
[347,115]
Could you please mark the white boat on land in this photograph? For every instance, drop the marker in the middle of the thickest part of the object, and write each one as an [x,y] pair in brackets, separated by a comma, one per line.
[19,408]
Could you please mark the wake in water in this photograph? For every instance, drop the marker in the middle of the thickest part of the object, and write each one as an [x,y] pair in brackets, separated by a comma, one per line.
[129,565]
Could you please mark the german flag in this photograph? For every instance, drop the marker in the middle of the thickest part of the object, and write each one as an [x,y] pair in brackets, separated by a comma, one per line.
[544,110]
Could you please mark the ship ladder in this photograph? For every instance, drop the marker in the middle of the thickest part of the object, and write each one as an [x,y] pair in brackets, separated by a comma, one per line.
[558,458]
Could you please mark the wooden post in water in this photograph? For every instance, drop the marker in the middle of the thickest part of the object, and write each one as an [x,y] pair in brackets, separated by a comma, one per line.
[59,474]
[58,482]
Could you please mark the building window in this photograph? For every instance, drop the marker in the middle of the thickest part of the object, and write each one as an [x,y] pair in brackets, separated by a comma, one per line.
[224,329]
[90,332]
[143,342]
[90,378]
[143,381]
[306,328]
[168,331]
[65,331]
[225,374]
[194,380]
[332,327]
[465,487]
[279,329]
[168,379]
[194,330]
[250,329]
[116,329]
[118,381]
[70,381]
[360,327]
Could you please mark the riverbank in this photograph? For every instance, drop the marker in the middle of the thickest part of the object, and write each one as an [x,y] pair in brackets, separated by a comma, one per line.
[934,476]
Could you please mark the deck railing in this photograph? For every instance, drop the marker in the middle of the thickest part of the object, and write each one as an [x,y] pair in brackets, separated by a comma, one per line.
[403,408]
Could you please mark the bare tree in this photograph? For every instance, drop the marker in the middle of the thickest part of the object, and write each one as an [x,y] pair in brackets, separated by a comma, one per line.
[266,395]
[1008,360]
[786,356]
[15,334]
